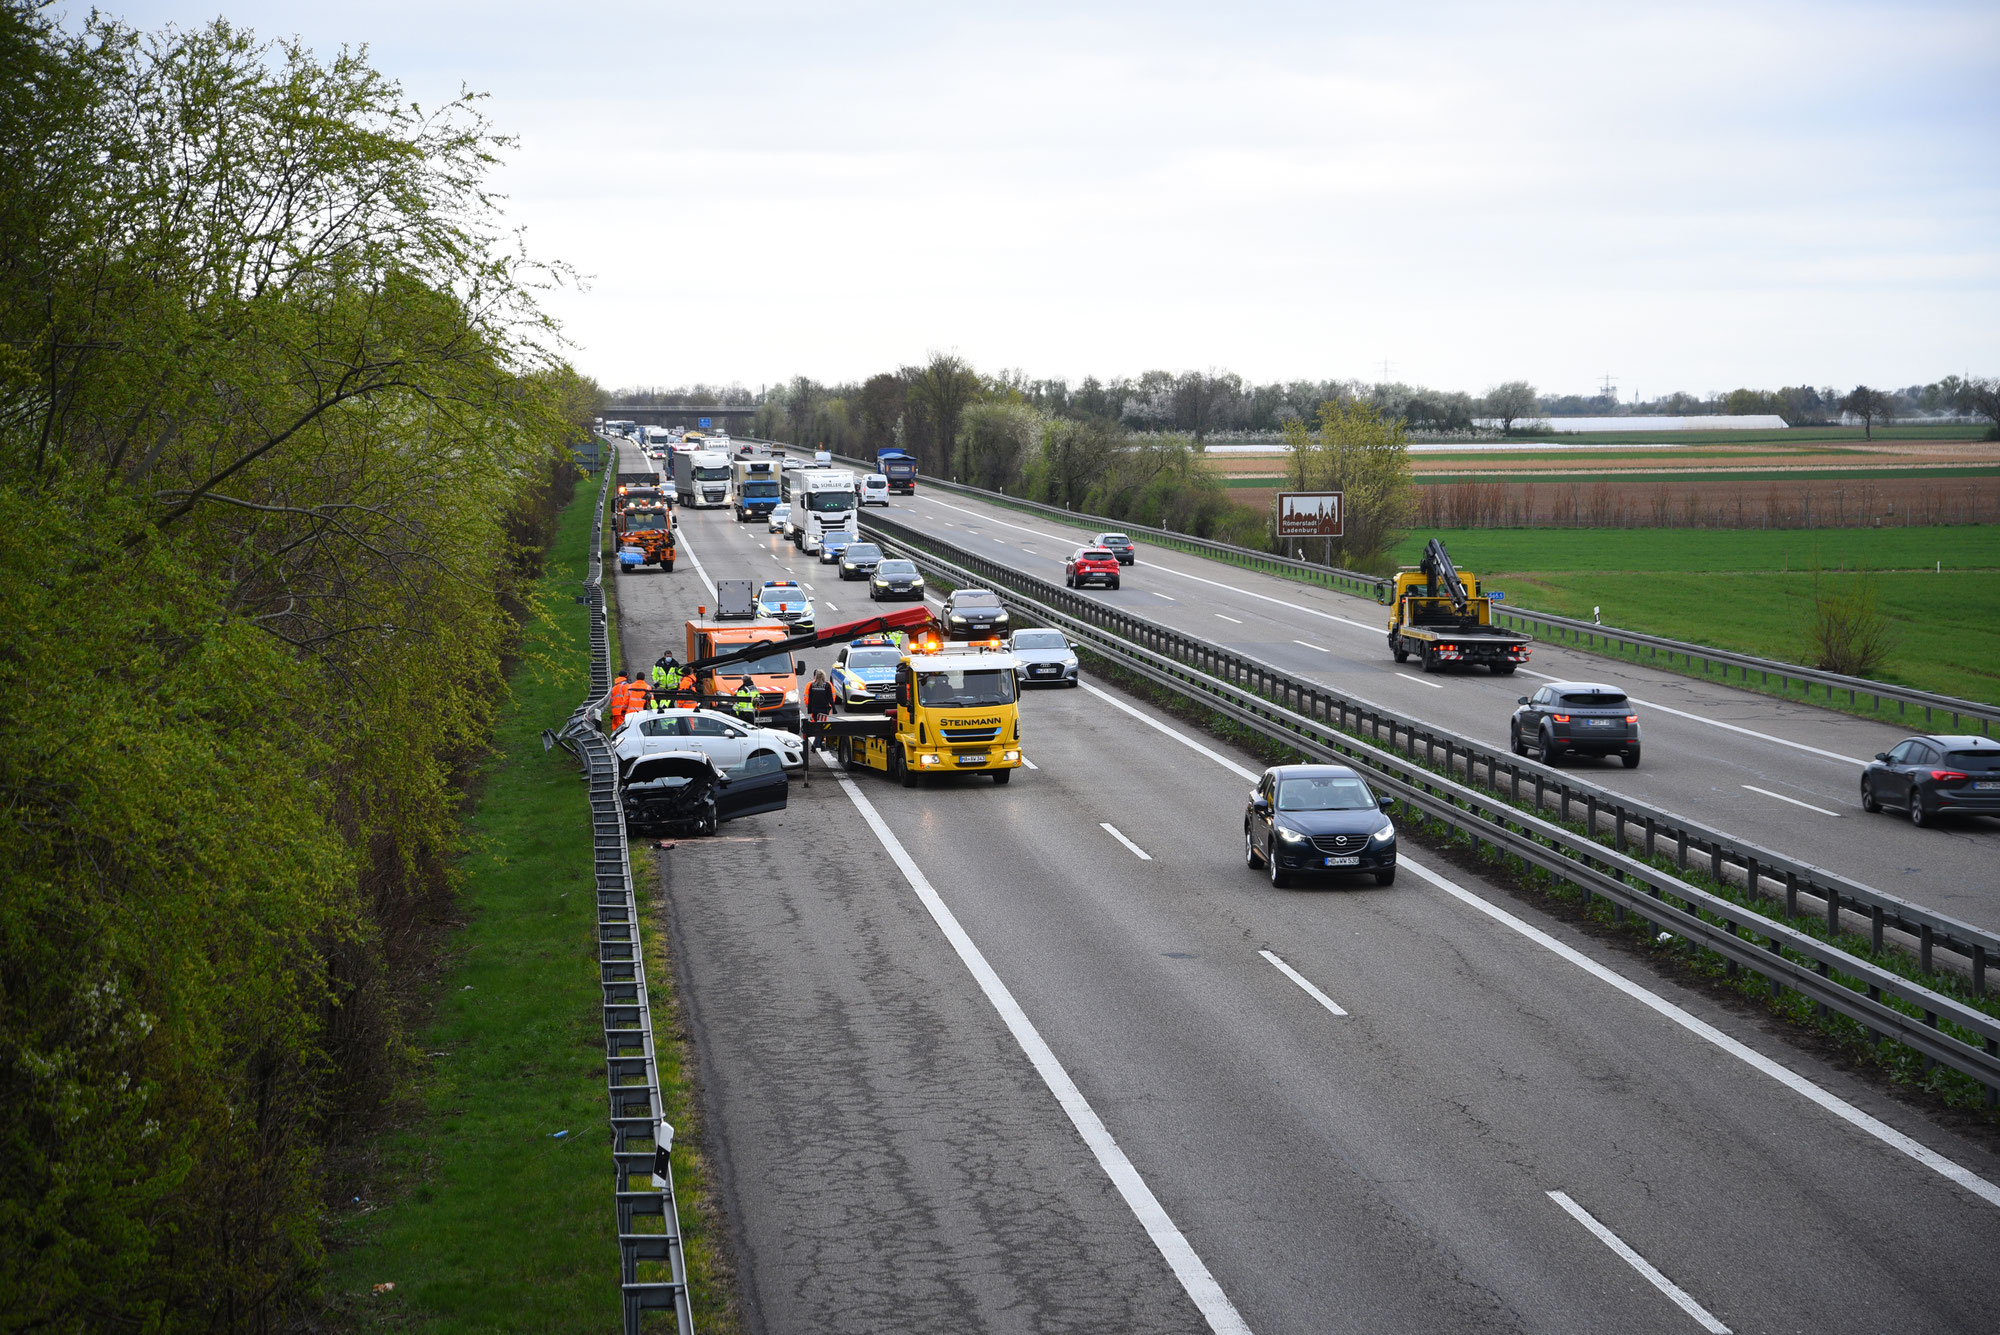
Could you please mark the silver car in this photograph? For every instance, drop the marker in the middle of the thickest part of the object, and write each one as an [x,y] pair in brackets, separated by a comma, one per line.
[1046,658]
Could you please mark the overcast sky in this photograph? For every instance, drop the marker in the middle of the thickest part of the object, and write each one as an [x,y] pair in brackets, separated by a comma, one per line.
[1681,196]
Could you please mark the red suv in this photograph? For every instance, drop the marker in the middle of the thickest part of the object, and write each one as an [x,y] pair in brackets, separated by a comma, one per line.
[1090,563]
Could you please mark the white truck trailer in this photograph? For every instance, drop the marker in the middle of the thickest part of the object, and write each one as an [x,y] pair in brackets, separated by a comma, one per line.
[701,478]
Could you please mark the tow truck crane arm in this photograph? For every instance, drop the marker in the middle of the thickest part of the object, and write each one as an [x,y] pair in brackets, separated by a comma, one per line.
[1437,567]
[908,618]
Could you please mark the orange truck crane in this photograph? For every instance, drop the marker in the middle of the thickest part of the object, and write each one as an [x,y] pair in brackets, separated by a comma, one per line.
[642,518]
[722,656]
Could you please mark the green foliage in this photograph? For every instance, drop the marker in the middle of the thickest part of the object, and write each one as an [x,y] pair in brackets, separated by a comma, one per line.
[994,441]
[280,436]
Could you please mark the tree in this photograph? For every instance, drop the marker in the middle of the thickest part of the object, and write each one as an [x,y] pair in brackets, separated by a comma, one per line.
[881,407]
[1200,399]
[1980,395]
[994,440]
[1868,405]
[802,401]
[1511,402]
[942,387]
[1366,456]
[1075,452]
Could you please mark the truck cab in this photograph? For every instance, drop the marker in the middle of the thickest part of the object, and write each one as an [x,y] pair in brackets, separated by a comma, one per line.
[955,710]
[774,676]
[701,478]
[647,525]
[756,487]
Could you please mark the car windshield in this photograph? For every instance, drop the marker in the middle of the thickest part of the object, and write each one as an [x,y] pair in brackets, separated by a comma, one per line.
[905,569]
[977,598]
[1040,639]
[1974,762]
[645,523]
[712,473]
[781,511]
[1114,540]
[1594,699]
[957,686]
[1324,792]
[829,502]
[785,601]
[873,658]
[863,551]
[770,665]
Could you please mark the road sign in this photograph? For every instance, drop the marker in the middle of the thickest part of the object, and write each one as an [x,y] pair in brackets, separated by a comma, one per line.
[1309,514]
[703,425]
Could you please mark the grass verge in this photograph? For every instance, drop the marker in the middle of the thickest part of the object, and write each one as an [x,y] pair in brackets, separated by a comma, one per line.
[488,1207]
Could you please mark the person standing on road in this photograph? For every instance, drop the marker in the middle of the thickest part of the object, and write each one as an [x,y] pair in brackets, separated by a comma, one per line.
[819,704]
[746,702]
[614,703]
[622,702]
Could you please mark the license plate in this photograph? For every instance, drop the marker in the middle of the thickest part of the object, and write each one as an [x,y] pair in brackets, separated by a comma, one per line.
[1987,785]
[972,760]
[1598,722]
[1343,862]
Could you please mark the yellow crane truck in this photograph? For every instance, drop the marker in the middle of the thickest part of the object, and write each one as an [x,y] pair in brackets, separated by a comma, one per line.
[956,711]
[1440,614]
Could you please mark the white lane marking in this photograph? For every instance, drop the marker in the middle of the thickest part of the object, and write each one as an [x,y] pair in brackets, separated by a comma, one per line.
[1749,1056]
[1113,831]
[1157,594]
[1299,978]
[1727,727]
[1793,800]
[1322,648]
[680,540]
[1434,685]
[1194,1276]
[1232,619]
[1639,1263]
[1045,537]
[1029,763]
[833,607]
[1178,736]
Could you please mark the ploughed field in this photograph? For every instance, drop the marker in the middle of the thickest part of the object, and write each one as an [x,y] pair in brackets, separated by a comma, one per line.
[1752,590]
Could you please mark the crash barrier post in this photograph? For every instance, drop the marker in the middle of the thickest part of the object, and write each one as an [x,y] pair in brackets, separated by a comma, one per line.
[1572,633]
[1306,717]
[1766,874]
[647,1215]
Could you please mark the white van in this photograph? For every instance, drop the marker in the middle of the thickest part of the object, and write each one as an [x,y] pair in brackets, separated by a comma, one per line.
[874,489]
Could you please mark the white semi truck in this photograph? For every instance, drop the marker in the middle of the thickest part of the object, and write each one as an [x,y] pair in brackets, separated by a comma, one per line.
[823,501]
[701,478]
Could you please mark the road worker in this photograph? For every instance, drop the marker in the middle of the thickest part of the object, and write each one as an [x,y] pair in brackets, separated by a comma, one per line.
[746,702]
[689,694]
[621,699]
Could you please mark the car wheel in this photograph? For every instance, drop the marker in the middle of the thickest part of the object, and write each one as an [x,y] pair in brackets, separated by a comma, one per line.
[1279,880]
[1547,745]
[1003,776]
[1868,802]
[1114,582]
[1386,877]
[1069,580]
[1918,816]
[1631,758]
[1249,847]
[1514,740]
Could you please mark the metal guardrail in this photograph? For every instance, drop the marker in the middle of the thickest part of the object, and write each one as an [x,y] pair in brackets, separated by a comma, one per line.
[643,1186]
[1765,873]
[1784,956]
[1585,635]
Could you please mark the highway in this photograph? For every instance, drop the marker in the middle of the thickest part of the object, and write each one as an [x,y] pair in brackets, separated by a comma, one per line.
[1049,1057]
[1779,774]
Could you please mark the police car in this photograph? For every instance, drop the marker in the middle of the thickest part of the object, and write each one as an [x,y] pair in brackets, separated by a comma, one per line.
[864,675]
[783,600]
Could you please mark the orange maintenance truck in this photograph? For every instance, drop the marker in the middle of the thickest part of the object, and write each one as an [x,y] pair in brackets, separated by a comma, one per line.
[773,675]
[641,518]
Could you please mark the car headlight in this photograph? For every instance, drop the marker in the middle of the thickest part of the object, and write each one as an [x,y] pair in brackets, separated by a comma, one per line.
[957,618]
[1385,834]
[1070,661]
[1292,836]
[791,697]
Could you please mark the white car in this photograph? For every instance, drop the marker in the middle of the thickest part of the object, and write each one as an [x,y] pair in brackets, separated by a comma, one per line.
[727,741]
[781,517]
[874,489]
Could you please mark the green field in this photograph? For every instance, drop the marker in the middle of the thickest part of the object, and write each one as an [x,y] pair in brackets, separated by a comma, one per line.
[1803,435]
[1751,590]
[1704,475]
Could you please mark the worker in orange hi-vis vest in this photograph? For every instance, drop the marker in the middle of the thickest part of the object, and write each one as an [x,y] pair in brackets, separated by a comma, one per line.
[614,704]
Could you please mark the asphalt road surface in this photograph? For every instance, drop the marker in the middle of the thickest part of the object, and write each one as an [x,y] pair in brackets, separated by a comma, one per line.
[970,1061]
[1776,773]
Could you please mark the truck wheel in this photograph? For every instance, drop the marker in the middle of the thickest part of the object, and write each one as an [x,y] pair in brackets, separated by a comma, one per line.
[846,753]
[1430,660]
[1003,776]
[899,768]
[1396,648]
[667,566]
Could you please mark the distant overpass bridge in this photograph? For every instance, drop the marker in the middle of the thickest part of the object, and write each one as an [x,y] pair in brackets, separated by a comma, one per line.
[690,415]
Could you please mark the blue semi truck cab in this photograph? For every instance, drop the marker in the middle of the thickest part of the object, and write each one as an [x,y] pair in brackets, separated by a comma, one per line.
[900,468]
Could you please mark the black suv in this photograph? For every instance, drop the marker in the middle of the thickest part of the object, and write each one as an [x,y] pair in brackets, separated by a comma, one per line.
[973,614]
[1931,776]
[1120,545]
[1318,819]
[1576,718]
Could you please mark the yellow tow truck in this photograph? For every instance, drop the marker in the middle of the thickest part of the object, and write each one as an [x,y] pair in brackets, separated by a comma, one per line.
[956,711]
[1442,615]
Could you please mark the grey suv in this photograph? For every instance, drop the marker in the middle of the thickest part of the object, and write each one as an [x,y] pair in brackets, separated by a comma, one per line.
[1576,718]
